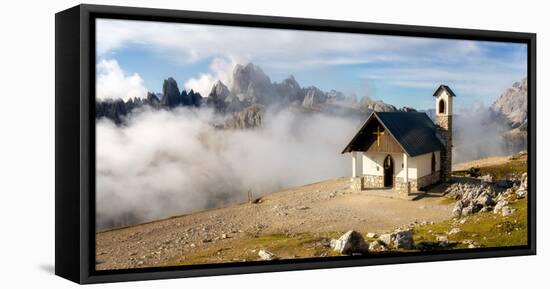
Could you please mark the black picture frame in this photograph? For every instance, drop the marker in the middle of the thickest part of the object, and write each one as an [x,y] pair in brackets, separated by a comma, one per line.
[75,141]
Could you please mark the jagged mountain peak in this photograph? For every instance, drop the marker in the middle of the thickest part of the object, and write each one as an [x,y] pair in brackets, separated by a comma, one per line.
[511,105]
[249,76]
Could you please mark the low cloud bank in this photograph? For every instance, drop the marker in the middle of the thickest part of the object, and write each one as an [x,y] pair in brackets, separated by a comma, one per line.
[174,162]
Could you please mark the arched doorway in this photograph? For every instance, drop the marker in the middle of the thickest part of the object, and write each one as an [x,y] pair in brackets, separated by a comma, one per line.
[388,171]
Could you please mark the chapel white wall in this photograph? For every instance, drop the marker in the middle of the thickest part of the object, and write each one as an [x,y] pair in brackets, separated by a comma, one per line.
[424,164]
[372,161]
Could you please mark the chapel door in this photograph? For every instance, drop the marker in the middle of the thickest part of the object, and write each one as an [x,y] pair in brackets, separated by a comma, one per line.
[388,171]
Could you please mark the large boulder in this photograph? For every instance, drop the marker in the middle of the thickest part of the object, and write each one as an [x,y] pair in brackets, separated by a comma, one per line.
[485,200]
[404,239]
[521,192]
[399,239]
[350,243]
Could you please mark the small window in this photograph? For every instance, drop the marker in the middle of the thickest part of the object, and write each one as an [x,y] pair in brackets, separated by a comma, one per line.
[442,106]
[433,163]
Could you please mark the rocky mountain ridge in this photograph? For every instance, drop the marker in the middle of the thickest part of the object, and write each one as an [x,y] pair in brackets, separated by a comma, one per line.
[250,93]
[511,105]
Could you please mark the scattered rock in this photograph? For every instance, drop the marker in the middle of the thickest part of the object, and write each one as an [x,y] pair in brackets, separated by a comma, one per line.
[498,207]
[455,231]
[303,208]
[506,211]
[224,236]
[371,235]
[471,243]
[266,255]
[521,193]
[350,243]
[377,246]
[430,245]
[442,238]
[486,178]
[457,210]
[485,200]
[386,239]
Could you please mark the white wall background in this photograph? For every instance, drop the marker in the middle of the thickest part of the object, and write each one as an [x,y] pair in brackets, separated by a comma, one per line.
[27,144]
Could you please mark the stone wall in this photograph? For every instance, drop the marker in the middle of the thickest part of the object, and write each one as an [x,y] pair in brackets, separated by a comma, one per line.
[413,185]
[405,188]
[428,180]
[370,181]
[357,184]
[445,128]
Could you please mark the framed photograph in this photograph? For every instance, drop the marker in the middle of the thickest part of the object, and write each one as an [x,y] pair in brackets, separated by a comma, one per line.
[196,144]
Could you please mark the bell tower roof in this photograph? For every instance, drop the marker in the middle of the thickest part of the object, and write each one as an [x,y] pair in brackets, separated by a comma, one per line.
[445,88]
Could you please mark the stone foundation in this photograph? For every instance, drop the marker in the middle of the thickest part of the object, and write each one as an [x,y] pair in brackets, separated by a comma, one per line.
[405,187]
[377,182]
[372,182]
[357,184]
[429,180]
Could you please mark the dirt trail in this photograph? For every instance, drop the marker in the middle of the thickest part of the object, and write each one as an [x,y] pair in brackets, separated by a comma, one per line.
[328,206]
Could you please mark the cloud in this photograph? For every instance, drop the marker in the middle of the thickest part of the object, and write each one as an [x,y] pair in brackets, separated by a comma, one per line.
[165,163]
[477,135]
[190,43]
[113,83]
[219,69]
[482,68]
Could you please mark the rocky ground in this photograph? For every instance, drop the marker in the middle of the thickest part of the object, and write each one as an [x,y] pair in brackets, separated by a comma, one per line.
[328,219]
[324,208]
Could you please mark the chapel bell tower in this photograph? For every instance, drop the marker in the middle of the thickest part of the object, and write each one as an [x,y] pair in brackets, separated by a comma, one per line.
[444,122]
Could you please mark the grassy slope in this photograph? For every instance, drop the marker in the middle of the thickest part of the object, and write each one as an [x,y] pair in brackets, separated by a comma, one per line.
[284,246]
[502,171]
[487,229]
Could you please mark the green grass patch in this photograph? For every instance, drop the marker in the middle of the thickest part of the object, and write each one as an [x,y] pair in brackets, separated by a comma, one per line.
[487,229]
[499,172]
[283,246]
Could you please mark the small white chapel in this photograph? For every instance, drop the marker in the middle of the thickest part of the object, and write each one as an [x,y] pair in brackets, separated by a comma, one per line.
[404,151]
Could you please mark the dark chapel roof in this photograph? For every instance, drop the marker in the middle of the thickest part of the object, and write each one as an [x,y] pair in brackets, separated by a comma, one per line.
[414,131]
[446,88]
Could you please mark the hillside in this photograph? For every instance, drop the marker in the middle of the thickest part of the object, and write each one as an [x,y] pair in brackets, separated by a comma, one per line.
[312,211]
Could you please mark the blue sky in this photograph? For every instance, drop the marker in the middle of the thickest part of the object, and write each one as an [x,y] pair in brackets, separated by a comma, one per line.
[136,56]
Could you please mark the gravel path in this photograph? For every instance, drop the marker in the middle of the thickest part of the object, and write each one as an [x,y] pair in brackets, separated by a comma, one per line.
[327,206]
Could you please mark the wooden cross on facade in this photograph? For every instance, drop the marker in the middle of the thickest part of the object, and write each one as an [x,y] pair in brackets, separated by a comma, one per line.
[378,133]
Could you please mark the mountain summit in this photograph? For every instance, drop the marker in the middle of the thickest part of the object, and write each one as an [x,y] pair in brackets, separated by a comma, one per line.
[511,106]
